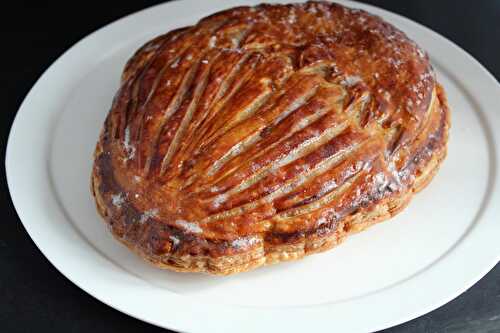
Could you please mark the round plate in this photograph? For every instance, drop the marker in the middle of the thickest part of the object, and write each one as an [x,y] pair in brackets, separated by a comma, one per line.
[435,249]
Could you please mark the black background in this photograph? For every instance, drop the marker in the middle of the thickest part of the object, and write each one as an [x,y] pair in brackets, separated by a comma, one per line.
[35,296]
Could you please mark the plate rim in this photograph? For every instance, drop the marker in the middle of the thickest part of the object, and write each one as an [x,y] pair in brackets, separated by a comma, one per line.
[180,301]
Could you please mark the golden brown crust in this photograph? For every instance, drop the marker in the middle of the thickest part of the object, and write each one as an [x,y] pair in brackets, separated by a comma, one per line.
[266,134]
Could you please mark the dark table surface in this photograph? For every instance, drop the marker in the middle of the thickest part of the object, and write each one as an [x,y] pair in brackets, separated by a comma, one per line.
[35,296]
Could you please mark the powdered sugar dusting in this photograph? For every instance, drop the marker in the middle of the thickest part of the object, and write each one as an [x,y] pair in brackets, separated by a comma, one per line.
[322,220]
[380,181]
[218,200]
[212,41]
[361,164]
[350,80]
[150,213]
[118,199]
[254,167]
[409,104]
[245,242]
[152,47]
[404,174]
[395,62]
[393,170]
[292,17]
[129,148]
[175,63]
[303,123]
[175,240]
[420,53]
[327,187]
[189,226]
[327,216]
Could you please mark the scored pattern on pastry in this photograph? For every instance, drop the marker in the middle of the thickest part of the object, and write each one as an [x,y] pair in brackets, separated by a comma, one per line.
[264,121]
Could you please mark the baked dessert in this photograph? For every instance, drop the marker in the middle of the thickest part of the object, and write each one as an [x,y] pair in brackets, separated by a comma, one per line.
[264,134]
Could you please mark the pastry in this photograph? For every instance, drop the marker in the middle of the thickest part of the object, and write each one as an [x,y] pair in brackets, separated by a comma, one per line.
[265,134]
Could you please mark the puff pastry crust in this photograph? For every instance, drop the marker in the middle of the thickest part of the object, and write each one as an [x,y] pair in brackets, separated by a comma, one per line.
[264,134]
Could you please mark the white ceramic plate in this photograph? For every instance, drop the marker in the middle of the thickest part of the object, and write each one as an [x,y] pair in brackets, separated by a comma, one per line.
[435,249]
